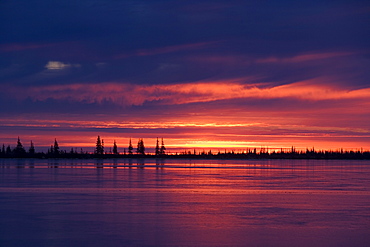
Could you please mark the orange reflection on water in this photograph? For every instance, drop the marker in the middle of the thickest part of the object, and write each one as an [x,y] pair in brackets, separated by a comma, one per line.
[217,202]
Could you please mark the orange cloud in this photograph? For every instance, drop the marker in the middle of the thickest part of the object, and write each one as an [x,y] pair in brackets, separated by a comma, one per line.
[237,130]
[183,93]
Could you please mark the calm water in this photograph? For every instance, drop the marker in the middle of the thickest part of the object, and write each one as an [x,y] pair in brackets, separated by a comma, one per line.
[184,203]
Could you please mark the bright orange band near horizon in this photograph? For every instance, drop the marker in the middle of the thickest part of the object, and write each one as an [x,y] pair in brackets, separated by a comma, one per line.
[202,115]
[181,136]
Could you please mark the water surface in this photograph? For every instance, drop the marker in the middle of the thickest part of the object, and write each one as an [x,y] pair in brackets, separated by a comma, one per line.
[184,202]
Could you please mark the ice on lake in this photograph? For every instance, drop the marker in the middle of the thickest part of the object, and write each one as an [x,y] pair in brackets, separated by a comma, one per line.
[133,202]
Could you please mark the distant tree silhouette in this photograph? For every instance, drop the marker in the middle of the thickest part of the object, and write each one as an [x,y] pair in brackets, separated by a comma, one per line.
[162,151]
[140,147]
[8,150]
[130,148]
[32,149]
[55,147]
[115,149]
[250,153]
[99,146]
[157,150]
[19,149]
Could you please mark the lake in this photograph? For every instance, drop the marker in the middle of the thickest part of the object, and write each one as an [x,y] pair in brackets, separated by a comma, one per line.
[133,202]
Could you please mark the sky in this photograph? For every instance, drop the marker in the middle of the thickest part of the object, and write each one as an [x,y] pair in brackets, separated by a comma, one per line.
[200,74]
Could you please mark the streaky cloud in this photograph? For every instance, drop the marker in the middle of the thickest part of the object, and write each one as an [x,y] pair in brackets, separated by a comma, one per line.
[23,46]
[304,57]
[184,93]
[164,50]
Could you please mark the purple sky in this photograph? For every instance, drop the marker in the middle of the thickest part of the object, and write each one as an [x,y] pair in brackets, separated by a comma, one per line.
[198,73]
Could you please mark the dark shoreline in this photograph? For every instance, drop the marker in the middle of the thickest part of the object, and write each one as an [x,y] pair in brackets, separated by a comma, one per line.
[248,156]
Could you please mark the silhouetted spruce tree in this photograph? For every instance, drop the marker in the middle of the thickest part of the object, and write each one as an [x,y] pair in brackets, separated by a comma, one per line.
[99,146]
[19,149]
[56,147]
[115,149]
[140,147]
[163,148]
[3,149]
[157,150]
[32,149]
[130,148]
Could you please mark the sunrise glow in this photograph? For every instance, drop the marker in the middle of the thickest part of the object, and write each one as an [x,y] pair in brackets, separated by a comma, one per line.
[185,123]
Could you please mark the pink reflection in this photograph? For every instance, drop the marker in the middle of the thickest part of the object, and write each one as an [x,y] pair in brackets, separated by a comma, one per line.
[230,203]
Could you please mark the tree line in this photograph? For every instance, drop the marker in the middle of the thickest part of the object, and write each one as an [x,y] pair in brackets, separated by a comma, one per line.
[140,150]
[19,151]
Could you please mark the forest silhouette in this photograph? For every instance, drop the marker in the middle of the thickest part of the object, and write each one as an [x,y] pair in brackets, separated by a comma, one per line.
[19,151]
